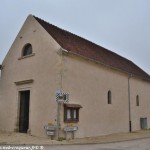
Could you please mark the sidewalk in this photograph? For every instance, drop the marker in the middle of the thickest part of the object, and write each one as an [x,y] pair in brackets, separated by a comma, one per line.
[8,138]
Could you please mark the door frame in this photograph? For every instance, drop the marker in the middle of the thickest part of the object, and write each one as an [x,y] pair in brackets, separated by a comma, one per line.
[18,107]
[24,111]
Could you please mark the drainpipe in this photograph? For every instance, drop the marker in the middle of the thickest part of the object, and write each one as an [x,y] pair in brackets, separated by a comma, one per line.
[129,103]
[0,71]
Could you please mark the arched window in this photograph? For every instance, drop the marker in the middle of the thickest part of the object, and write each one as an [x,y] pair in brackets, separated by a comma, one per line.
[27,50]
[109,97]
[137,101]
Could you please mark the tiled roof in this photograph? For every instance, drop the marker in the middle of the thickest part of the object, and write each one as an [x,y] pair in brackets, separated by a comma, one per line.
[85,48]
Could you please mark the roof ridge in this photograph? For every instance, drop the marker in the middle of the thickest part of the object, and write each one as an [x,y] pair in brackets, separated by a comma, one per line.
[67,31]
[81,46]
[86,40]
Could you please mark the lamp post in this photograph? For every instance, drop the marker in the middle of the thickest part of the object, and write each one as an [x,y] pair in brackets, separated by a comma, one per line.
[60,98]
[58,120]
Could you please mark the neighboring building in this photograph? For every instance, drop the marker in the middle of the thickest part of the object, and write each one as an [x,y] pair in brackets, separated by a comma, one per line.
[107,93]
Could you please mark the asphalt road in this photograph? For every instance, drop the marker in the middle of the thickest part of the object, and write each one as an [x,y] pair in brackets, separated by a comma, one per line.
[142,144]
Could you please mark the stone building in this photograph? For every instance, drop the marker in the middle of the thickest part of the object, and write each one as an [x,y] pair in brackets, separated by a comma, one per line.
[107,93]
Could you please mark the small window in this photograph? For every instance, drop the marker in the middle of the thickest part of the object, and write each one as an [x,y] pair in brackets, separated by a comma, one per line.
[109,97]
[143,122]
[27,50]
[71,113]
[137,101]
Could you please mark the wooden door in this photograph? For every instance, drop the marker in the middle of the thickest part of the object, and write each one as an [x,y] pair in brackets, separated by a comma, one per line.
[24,111]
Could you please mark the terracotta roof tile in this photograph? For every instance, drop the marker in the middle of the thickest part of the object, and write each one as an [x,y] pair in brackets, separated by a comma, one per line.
[83,47]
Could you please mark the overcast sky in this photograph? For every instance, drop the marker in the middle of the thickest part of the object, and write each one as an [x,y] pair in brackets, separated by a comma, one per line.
[122,26]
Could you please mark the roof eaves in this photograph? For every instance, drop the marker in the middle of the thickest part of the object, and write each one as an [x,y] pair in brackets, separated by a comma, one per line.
[87,58]
[108,66]
[131,68]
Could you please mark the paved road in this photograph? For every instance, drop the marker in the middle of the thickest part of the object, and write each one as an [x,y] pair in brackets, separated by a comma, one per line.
[143,144]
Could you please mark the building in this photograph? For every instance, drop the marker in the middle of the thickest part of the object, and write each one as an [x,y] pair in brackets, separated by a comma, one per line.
[107,93]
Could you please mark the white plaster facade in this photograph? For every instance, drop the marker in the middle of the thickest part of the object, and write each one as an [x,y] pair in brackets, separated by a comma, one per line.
[86,81]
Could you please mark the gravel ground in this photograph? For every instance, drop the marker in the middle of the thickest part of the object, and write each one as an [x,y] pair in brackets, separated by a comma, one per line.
[8,138]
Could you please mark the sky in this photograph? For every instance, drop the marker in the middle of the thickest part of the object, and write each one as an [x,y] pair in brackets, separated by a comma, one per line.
[122,26]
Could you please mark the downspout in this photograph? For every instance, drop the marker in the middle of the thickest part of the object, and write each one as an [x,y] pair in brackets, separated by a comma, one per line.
[129,103]
[0,71]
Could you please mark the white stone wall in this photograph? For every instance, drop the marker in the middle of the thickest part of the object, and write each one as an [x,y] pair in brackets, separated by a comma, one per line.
[44,68]
[86,82]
